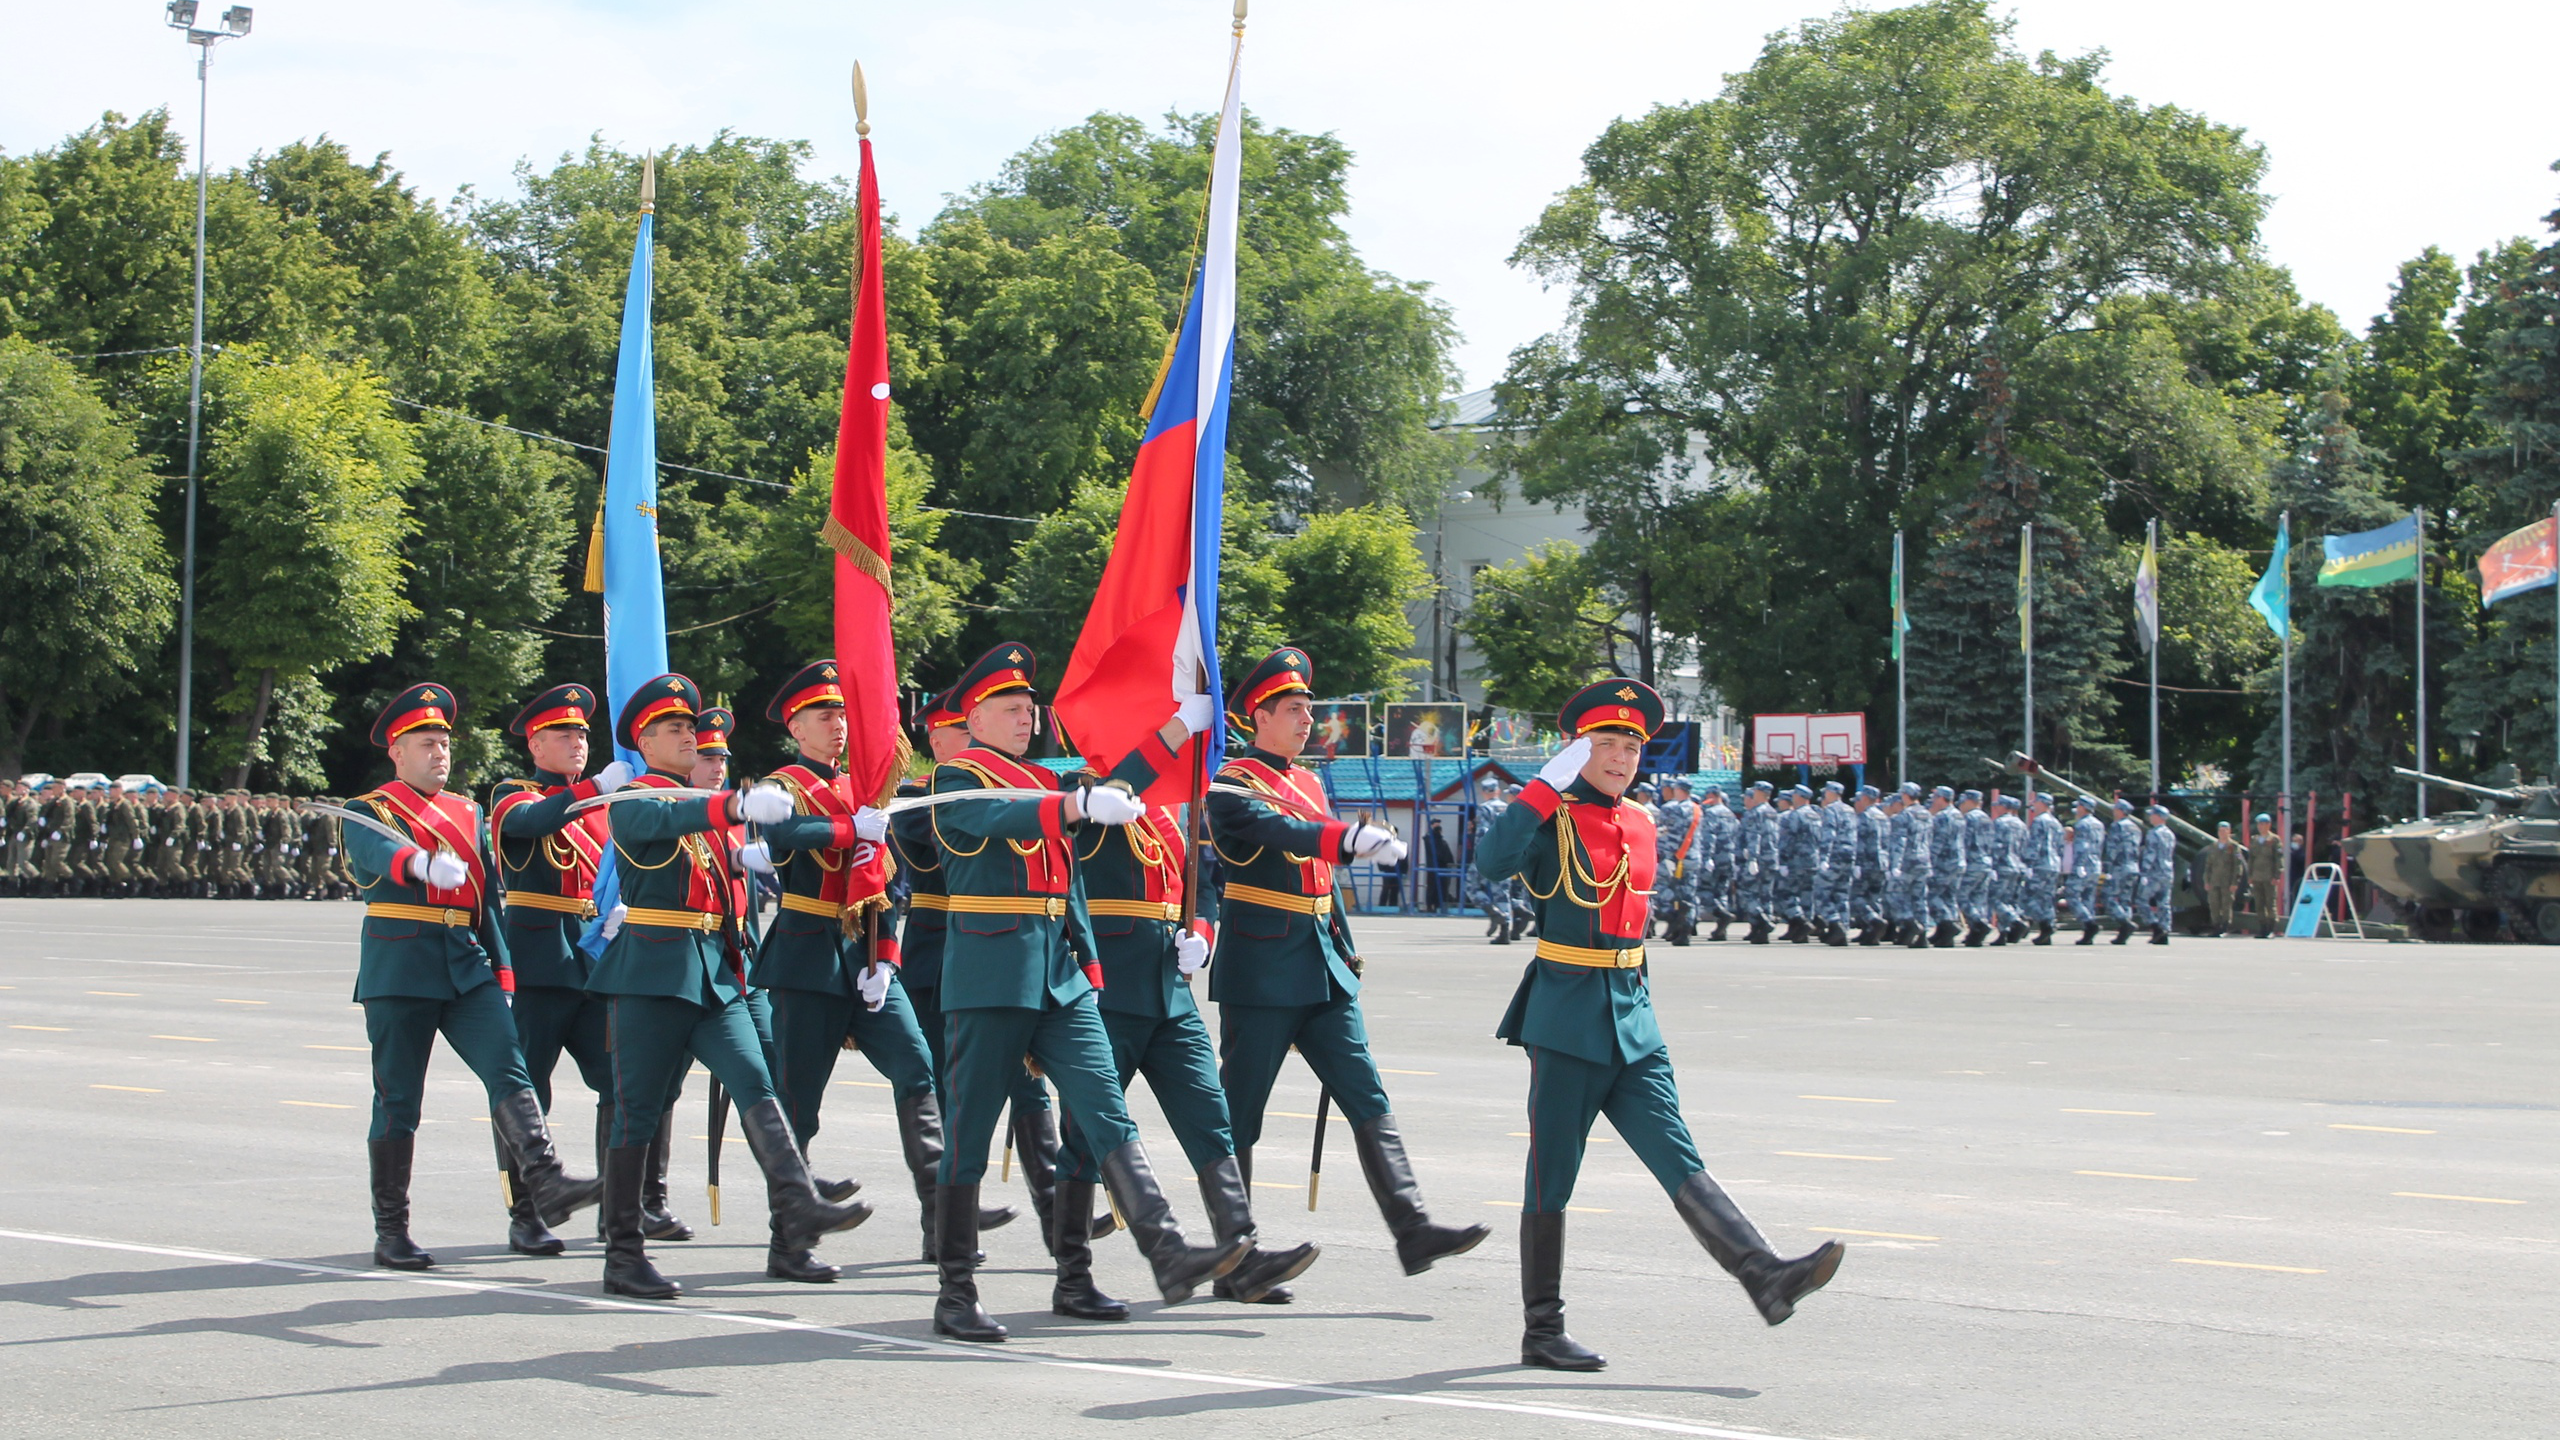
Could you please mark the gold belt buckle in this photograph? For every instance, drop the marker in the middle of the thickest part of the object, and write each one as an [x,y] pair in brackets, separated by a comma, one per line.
[1056,907]
[1172,913]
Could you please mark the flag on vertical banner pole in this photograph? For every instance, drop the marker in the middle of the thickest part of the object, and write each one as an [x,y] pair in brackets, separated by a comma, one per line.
[1901,618]
[2519,562]
[2272,596]
[2026,589]
[2146,588]
[1152,633]
[857,530]
[635,597]
[2372,557]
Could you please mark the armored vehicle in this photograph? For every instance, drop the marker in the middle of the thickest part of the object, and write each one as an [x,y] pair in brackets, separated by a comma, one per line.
[2465,870]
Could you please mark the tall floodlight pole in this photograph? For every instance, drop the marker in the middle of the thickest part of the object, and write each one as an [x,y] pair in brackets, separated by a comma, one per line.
[2418,518]
[2027,633]
[235,23]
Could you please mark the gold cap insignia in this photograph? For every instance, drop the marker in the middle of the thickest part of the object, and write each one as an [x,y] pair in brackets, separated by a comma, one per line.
[674,684]
[829,673]
[1626,692]
[1625,714]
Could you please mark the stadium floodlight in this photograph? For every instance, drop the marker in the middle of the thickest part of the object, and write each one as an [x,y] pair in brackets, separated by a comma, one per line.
[182,14]
[235,21]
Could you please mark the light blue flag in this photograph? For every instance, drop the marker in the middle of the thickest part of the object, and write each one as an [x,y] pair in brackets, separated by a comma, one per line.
[635,597]
[2272,596]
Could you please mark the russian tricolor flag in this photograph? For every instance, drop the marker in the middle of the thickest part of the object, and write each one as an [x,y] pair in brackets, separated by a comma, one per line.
[1153,631]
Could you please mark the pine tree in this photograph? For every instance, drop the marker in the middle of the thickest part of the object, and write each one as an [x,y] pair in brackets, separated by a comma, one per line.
[1967,674]
[2502,686]
[2354,707]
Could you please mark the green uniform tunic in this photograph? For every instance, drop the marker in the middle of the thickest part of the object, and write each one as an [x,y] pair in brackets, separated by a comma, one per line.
[548,858]
[1285,971]
[923,928]
[1583,1009]
[429,961]
[667,980]
[810,969]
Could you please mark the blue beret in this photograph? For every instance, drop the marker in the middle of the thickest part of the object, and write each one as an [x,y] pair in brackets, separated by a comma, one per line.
[2266,819]
[1942,793]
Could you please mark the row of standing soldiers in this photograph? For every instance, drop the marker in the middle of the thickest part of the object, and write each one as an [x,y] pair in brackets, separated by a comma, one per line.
[110,842]
[1917,867]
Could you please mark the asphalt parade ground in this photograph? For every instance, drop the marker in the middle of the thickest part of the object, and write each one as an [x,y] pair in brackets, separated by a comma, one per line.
[2235,1187]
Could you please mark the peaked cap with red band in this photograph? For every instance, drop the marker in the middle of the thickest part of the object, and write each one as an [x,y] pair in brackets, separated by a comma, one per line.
[934,712]
[1006,668]
[423,706]
[1285,671]
[655,699]
[814,684]
[570,704]
[1617,703]
[712,729]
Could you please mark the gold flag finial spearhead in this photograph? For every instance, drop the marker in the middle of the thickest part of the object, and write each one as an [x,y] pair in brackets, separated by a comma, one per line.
[1240,4]
[648,184]
[861,102]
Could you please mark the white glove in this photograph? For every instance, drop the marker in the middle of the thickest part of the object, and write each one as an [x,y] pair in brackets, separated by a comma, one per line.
[1195,711]
[612,777]
[1107,805]
[137,844]
[874,985]
[613,919]
[1560,772]
[756,856]
[765,805]
[1190,953]
[1375,844]
[871,823]
[443,870]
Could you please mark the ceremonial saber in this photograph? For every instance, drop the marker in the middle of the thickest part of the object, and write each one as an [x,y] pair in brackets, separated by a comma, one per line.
[904,803]
[719,1127]
[388,832]
[644,792]
[1315,1164]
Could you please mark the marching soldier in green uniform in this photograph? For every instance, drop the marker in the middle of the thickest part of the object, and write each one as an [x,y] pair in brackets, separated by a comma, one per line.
[1133,879]
[830,961]
[87,868]
[674,983]
[120,815]
[57,822]
[17,826]
[1012,986]
[547,858]
[233,852]
[1584,1012]
[1286,972]
[432,959]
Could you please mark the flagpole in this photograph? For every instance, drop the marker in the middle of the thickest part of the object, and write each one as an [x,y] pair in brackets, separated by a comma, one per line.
[2555,642]
[2284,801]
[1901,674]
[2027,631]
[2152,544]
[2418,518]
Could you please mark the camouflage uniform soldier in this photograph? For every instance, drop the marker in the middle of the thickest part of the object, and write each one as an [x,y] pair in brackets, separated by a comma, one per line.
[1946,866]
[52,839]
[2267,865]
[1973,895]
[1675,841]
[2122,861]
[1799,860]
[1838,876]
[1718,827]
[2042,852]
[168,833]
[2009,886]
[2158,868]
[1907,858]
[240,839]
[2088,866]
[275,847]
[1491,896]
[1866,896]
[17,817]
[119,840]
[1756,862]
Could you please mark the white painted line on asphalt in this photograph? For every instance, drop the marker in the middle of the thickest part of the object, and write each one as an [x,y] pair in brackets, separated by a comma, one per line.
[2472,1199]
[190,1039]
[54,1029]
[119,994]
[1849,1099]
[219,1001]
[2130,1175]
[1011,1354]
[2384,1129]
[315,1105]
[2244,1265]
[130,1089]
[2073,1110]
[1878,1234]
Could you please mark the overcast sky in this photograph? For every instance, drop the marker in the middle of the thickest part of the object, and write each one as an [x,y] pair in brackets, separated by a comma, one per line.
[2389,126]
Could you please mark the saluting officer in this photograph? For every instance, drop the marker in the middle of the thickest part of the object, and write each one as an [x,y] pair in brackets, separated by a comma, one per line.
[434,958]
[1133,878]
[1584,1012]
[674,984]
[547,858]
[1012,984]
[1286,972]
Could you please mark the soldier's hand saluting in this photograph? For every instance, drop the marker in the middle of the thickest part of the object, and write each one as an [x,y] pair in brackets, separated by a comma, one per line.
[1567,765]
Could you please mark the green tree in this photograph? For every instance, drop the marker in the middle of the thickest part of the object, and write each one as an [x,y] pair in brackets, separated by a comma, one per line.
[303,567]
[109,266]
[1794,280]
[1354,577]
[84,585]
[1542,624]
[2500,687]
[926,596]
[2410,390]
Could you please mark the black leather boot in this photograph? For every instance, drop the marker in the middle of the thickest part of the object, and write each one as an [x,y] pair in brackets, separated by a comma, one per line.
[956,1311]
[2088,934]
[1759,933]
[1799,931]
[1944,937]
[627,1270]
[1419,1242]
[526,1234]
[1180,1266]
[1497,929]
[1543,1342]
[1722,922]
[557,1195]
[2044,932]
[800,1217]
[1075,1295]
[1261,1277]
[1035,1149]
[920,1140]
[2159,934]
[1834,935]
[1915,936]
[657,1220]
[1775,1285]
[2124,932]
[392,1248]
[1975,932]
[788,1257]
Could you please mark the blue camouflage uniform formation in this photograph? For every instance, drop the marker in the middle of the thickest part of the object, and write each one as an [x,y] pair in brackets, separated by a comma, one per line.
[1946,867]
[2041,851]
[1584,1013]
[1506,916]
[2122,859]
[2088,864]
[2009,881]
[432,959]
[1799,862]
[1836,879]
[1867,897]
[547,861]
[1718,831]
[2158,870]
[1974,907]
[1755,862]
[1907,891]
[1675,874]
